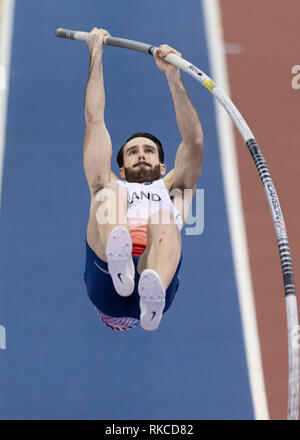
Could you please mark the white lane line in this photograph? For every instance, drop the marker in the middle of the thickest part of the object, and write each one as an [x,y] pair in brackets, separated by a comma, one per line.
[214,38]
[2,78]
[6,30]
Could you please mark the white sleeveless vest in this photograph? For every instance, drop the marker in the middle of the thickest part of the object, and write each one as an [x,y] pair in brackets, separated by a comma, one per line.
[147,198]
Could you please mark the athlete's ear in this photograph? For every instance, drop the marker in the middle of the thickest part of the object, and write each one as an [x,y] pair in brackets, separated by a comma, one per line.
[122,172]
[163,169]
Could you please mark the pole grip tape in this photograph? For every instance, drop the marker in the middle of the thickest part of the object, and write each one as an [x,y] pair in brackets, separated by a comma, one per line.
[108,41]
[65,33]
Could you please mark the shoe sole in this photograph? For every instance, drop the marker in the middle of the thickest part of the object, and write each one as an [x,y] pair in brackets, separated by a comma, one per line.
[119,260]
[152,299]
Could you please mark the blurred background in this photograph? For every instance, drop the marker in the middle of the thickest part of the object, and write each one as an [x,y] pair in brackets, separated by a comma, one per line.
[61,361]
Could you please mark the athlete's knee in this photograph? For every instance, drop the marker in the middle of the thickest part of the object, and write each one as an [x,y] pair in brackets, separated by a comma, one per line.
[162,224]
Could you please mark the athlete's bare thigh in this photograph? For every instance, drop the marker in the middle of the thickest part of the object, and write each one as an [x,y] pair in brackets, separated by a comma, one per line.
[158,231]
[108,210]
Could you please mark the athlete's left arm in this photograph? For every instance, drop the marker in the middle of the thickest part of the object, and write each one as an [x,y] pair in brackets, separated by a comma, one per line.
[188,162]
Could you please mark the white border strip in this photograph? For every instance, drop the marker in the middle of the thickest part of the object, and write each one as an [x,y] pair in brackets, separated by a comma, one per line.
[214,34]
[6,30]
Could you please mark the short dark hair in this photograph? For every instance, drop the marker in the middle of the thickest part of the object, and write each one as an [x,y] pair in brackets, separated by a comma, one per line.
[161,155]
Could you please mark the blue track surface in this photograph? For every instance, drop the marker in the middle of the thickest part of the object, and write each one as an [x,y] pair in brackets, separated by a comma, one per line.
[61,362]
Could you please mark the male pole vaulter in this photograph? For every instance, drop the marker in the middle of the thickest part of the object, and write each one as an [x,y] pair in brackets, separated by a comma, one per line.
[133,254]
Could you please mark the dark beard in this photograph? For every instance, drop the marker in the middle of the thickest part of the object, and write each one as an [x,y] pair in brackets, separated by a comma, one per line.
[141,175]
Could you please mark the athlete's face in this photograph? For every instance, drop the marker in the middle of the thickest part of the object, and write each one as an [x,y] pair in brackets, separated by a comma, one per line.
[141,161]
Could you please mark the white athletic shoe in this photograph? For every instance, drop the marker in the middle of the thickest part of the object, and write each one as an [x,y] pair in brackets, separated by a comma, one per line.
[152,299]
[119,260]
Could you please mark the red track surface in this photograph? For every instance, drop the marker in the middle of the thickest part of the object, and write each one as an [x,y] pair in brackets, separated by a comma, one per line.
[260,82]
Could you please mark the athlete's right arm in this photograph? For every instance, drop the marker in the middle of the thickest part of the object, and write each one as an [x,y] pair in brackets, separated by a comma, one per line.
[97,149]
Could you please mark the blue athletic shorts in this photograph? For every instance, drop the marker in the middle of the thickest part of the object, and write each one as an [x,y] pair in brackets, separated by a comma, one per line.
[102,293]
